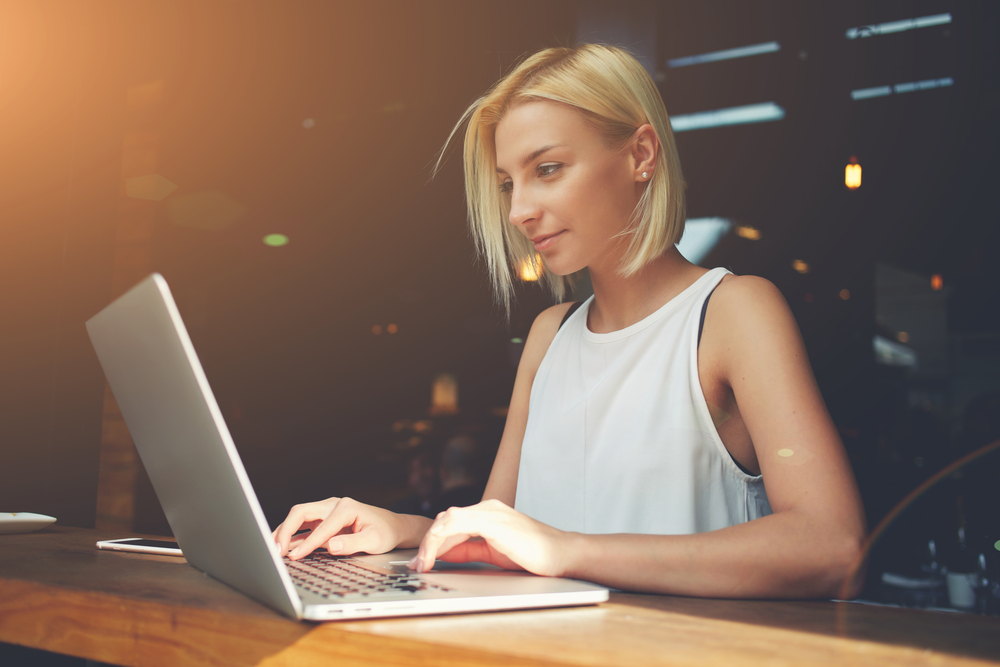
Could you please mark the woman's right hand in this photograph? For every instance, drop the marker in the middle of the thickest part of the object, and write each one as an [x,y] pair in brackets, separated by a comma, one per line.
[342,525]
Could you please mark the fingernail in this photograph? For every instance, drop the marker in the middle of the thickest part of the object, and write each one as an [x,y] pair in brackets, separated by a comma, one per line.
[294,553]
[415,564]
[335,545]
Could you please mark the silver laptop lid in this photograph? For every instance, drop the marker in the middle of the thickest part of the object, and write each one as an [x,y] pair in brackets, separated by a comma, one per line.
[174,420]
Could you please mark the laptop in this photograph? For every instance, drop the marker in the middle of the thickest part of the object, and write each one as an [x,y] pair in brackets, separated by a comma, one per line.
[191,459]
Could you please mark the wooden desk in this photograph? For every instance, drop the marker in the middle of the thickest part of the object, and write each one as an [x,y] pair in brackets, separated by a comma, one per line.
[59,593]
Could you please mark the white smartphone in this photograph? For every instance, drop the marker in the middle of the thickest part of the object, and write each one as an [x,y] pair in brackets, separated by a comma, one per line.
[141,545]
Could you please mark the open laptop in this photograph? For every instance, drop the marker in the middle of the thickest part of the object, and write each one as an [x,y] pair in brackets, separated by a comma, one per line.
[200,481]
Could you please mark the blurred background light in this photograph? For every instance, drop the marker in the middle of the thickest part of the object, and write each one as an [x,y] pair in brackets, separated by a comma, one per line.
[865,93]
[909,87]
[923,85]
[531,269]
[444,395]
[392,328]
[742,115]
[845,294]
[748,232]
[308,123]
[898,26]
[276,240]
[852,174]
[890,353]
[377,329]
[726,54]
[700,236]
[937,282]
[800,266]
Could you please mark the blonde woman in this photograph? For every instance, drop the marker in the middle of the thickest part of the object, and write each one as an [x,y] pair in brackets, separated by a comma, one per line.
[665,436]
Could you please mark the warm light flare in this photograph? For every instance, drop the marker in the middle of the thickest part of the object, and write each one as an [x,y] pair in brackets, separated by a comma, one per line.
[800,266]
[748,232]
[444,395]
[531,269]
[852,174]
[937,282]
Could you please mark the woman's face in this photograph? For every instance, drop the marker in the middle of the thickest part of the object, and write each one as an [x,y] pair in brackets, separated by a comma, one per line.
[570,192]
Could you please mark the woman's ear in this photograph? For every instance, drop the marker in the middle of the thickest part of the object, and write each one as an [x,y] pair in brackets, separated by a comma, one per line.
[645,147]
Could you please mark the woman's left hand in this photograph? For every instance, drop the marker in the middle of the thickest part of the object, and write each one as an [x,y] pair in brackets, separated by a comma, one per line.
[507,538]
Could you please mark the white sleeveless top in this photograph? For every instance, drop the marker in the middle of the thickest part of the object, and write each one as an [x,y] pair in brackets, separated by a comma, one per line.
[619,438]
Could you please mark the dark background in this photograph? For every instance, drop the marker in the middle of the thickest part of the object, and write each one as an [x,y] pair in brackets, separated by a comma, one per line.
[285,334]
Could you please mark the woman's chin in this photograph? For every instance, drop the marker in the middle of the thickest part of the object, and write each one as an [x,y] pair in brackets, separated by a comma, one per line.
[562,268]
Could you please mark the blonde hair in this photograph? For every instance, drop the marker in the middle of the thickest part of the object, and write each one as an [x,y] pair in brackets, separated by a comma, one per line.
[617,96]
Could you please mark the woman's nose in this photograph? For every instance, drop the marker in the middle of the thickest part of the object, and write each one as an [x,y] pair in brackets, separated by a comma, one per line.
[523,206]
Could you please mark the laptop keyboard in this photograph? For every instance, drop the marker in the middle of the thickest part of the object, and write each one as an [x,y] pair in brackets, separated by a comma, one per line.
[336,577]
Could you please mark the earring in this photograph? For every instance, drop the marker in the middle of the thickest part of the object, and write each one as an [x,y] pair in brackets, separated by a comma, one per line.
[645,174]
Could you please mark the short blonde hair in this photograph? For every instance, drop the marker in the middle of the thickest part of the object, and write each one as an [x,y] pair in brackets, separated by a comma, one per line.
[617,96]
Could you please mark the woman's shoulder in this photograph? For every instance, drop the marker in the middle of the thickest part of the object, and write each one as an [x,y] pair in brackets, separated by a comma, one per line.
[748,318]
[543,331]
[746,297]
[547,324]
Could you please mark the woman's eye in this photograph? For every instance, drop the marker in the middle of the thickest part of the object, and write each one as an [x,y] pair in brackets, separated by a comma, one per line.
[506,187]
[548,169]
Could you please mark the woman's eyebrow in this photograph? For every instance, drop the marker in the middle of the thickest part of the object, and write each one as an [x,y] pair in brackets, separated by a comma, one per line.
[531,157]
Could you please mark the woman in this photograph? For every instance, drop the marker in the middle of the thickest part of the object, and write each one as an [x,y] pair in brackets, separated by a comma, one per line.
[644,428]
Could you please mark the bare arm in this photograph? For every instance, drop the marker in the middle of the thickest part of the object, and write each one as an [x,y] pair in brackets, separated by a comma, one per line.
[805,549]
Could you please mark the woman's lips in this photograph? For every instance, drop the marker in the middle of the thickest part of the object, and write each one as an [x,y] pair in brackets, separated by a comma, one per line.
[544,242]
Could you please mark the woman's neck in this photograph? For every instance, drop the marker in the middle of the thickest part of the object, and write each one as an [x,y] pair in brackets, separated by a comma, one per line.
[621,302]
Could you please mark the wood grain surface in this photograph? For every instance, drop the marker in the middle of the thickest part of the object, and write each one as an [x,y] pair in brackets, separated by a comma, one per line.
[59,593]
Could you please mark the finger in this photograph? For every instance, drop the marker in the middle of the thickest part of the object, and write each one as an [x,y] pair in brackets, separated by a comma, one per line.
[471,550]
[478,551]
[283,533]
[344,514]
[299,518]
[424,560]
[364,541]
[442,537]
[459,524]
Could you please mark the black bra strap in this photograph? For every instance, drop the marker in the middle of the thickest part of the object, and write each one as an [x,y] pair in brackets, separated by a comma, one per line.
[704,309]
[572,309]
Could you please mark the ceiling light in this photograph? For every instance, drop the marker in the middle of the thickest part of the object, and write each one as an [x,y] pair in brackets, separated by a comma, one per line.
[750,113]
[898,26]
[727,54]
[852,174]
[882,91]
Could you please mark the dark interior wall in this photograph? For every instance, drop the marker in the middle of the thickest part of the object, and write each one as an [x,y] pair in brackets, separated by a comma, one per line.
[284,334]
[61,104]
